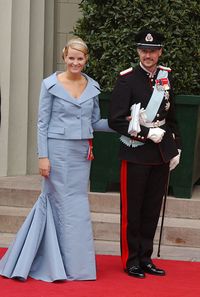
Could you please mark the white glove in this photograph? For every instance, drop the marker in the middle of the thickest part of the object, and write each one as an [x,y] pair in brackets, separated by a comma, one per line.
[175,161]
[142,116]
[156,134]
[134,125]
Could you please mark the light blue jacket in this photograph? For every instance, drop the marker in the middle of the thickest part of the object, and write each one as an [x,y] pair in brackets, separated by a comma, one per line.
[63,117]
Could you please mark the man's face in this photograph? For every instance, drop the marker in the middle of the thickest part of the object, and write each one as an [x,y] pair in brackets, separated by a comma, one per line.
[149,57]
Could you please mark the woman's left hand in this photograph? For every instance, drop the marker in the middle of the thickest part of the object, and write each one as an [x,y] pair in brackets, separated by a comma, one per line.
[44,167]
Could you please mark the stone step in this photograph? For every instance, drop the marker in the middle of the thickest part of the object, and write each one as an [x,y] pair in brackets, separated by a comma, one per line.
[6,239]
[181,233]
[11,218]
[175,207]
[113,248]
[166,251]
[99,202]
[18,197]
[177,231]
[19,191]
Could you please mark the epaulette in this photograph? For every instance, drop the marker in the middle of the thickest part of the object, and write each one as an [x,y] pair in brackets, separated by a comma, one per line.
[164,68]
[126,71]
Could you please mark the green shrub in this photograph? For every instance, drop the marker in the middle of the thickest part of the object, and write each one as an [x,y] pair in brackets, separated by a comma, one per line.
[109,28]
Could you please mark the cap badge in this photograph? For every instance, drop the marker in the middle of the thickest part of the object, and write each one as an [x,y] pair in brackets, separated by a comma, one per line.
[149,37]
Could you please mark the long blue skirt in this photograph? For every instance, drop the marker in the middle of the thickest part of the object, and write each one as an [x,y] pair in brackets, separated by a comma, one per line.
[56,242]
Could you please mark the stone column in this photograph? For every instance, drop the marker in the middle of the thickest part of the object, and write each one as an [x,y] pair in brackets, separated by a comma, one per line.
[41,61]
[24,29]
[67,13]
[5,48]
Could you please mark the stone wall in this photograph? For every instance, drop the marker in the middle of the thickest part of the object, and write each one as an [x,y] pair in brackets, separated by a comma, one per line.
[67,13]
[32,35]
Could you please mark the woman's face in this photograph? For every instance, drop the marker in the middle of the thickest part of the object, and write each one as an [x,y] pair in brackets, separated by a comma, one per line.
[75,61]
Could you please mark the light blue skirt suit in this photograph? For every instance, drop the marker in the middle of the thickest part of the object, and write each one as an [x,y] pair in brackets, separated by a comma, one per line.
[56,241]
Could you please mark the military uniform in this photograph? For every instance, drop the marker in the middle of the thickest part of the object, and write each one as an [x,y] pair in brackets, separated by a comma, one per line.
[136,86]
[144,168]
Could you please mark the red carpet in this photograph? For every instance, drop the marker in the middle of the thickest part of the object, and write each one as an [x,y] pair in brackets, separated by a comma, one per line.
[182,280]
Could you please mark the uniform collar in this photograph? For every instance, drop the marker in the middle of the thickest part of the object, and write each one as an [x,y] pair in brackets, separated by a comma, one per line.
[150,74]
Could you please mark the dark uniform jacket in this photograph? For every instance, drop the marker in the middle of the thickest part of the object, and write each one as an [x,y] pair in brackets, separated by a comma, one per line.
[134,87]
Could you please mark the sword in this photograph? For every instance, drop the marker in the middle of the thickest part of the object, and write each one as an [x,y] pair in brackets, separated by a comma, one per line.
[163,214]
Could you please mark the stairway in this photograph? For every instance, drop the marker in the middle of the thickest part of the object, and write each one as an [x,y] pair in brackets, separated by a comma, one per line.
[181,233]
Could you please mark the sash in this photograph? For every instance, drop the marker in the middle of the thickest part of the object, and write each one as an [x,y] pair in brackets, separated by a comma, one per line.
[151,109]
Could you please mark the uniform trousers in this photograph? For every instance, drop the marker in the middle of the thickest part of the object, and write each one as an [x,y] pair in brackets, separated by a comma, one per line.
[142,191]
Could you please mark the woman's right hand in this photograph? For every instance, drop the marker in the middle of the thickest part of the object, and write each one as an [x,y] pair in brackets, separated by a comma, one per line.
[44,167]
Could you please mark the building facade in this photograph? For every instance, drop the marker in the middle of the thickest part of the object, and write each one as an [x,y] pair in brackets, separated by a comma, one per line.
[32,34]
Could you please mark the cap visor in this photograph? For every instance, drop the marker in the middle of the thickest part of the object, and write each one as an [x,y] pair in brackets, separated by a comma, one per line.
[149,46]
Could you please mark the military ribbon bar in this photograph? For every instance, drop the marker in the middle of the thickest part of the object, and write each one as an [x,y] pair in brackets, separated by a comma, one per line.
[162,84]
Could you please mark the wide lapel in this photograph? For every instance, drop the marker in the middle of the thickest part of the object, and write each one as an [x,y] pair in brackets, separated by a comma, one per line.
[56,89]
[92,89]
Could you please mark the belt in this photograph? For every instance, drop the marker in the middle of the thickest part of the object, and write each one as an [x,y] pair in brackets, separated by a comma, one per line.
[154,124]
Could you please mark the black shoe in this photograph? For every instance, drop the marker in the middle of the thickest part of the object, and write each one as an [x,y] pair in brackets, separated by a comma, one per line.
[135,271]
[152,269]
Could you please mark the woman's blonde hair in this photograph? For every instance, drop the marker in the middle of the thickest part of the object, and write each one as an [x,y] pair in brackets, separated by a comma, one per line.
[75,43]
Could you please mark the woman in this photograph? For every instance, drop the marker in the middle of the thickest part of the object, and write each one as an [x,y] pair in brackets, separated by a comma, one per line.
[56,242]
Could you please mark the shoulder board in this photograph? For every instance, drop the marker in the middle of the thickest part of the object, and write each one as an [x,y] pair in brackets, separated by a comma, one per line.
[164,68]
[126,71]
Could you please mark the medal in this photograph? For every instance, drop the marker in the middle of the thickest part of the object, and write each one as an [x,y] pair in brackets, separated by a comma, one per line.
[166,95]
[167,105]
[162,84]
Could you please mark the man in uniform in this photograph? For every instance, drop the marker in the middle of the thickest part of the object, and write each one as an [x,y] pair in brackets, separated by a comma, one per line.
[142,111]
